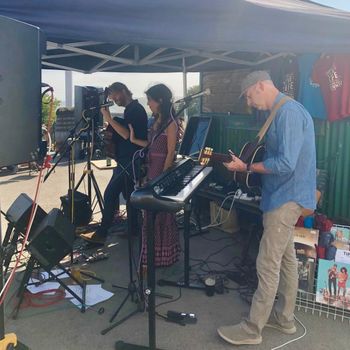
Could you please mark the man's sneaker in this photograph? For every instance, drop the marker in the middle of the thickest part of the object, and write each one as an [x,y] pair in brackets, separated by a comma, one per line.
[273,323]
[236,335]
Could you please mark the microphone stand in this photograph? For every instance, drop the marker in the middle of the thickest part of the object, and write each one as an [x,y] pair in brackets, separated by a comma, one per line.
[9,340]
[150,291]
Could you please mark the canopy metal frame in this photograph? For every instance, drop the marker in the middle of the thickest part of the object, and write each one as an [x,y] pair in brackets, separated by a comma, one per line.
[176,61]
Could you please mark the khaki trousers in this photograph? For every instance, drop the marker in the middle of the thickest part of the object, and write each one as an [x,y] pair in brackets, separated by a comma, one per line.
[277,270]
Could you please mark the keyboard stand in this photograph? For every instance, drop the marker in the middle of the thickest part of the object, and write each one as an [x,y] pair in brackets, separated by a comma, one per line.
[186,283]
[149,293]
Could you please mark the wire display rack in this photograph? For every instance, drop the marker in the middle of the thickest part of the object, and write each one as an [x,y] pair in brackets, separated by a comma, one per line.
[331,307]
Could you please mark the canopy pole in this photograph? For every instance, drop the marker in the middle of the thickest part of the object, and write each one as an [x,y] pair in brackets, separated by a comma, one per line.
[69,88]
[184,85]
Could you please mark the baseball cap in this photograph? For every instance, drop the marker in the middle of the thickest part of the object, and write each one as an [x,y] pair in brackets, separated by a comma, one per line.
[252,78]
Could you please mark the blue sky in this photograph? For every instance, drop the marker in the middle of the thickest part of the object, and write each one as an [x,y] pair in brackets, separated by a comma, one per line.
[339,4]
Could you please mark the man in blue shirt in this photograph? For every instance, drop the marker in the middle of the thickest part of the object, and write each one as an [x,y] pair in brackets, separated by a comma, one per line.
[288,185]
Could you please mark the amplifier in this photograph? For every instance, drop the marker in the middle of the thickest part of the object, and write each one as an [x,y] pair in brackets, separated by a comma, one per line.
[82,208]
[52,240]
[19,212]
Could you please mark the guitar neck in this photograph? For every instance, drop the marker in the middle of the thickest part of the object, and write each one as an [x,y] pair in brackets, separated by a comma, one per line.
[219,157]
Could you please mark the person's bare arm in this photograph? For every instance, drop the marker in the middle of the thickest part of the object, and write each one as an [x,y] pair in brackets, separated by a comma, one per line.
[120,129]
[172,138]
[133,139]
[237,165]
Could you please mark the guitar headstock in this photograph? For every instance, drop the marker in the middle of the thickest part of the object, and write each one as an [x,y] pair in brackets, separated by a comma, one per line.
[205,156]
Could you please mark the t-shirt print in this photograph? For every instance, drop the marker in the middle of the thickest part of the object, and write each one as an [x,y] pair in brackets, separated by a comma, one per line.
[332,73]
[309,92]
[334,78]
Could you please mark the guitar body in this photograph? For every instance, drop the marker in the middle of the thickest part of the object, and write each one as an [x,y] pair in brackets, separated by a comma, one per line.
[110,146]
[111,139]
[250,153]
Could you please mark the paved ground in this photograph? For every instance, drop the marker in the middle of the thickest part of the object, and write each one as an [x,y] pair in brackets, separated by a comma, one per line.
[63,327]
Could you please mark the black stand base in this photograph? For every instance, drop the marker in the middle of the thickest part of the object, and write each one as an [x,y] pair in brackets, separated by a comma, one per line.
[181,284]
[120,345]
[116,324]
[132,294]
[27,274]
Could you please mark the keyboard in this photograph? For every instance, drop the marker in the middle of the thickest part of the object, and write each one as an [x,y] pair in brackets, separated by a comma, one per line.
[171,190]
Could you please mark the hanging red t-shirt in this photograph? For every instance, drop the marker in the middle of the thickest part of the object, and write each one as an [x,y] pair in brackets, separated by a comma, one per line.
[332,73]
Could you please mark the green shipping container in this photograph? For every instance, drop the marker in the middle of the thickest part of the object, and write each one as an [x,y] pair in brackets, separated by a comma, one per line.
[333,155]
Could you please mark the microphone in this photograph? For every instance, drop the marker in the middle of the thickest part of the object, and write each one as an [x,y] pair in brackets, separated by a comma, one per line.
[188,99]
[107,104]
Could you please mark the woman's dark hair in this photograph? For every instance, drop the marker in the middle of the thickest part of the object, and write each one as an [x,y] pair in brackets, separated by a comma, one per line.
[162,94]
[343,269]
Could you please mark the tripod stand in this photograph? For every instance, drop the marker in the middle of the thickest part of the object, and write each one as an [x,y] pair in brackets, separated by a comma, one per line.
[89,171]
[133,291]
[67,147]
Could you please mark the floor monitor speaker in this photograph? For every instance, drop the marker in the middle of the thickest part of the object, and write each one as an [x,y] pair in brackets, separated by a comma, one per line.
[19,212]
[52,240]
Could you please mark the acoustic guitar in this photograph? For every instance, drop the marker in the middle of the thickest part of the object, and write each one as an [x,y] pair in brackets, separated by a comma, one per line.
[250,153]
[112,139]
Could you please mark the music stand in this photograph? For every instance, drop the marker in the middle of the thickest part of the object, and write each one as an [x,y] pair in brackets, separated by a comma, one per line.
[195,136]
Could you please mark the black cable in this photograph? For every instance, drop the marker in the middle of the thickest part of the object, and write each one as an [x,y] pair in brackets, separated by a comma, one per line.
[246,292]
[205,261]
[171,301]
[215,239]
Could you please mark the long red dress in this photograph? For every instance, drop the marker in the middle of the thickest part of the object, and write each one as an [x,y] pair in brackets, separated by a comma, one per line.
[166,240]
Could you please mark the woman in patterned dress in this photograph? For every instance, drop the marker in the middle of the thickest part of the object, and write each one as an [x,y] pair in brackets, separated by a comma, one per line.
[160,157]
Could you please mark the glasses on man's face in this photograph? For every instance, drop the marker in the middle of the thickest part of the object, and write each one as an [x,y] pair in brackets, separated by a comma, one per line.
[249,93]
[248,97]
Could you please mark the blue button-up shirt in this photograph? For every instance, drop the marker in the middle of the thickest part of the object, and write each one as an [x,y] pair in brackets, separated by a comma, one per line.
[290,157]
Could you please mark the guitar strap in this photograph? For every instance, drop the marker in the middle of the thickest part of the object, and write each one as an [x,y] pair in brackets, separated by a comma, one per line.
[271,117]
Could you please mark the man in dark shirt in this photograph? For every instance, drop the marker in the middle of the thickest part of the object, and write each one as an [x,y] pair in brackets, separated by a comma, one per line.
[122,179]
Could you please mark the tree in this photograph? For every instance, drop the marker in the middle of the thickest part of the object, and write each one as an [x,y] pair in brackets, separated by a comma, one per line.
[194,108]
[45,108]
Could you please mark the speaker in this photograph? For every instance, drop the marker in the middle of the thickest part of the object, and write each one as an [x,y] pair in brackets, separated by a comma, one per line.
[20,92]
[19,212]
[86,97]
[82,208]
[52,240]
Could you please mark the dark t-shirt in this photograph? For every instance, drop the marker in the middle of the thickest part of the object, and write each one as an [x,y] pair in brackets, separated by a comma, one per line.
[284,73]
[135,115]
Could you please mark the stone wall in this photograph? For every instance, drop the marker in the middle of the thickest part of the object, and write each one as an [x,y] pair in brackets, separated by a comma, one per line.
[225,90]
